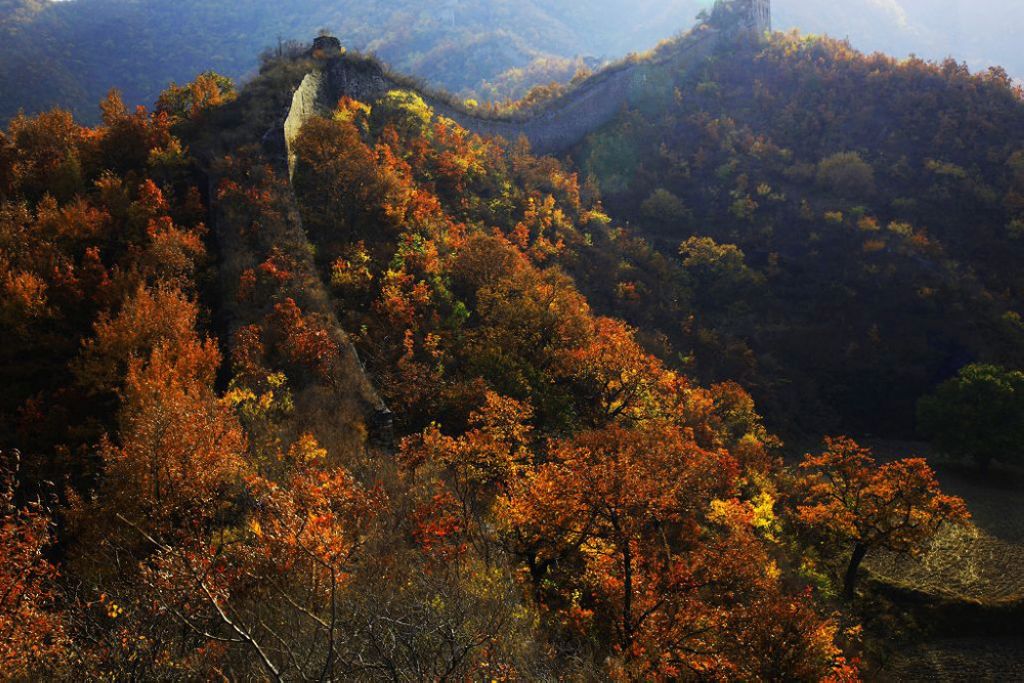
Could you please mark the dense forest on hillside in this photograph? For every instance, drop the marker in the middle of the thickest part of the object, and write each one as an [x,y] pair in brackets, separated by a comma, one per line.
[849,227]
[428,406]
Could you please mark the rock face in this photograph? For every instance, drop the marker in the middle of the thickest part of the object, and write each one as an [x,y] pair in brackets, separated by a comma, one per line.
[306,103]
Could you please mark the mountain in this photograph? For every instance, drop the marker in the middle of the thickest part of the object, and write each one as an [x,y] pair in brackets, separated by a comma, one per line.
[319,378]
[973,31]
[885,192]
[70,53]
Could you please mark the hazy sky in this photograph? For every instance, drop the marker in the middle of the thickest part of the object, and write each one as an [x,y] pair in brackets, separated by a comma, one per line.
[980,32]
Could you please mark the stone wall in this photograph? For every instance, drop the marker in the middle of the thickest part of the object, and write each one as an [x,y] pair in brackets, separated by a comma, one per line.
[550,129]
[308,101]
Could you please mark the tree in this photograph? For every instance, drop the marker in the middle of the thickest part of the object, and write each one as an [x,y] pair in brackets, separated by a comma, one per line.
[47,157]
[897,506]
[305,340]
[189,101]
[979,414]
[720,275]
[338,180]
[665,210]
[847,174]
[403,109]
[636,535]
[147,318]
[32,635]
[615,379]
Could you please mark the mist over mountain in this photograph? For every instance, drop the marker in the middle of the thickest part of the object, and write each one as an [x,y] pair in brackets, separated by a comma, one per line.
[982,33]
[70,53]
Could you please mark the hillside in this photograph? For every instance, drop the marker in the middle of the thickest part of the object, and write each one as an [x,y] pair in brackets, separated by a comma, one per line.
[805,180]
[319,378]
[70,53]
[843,196]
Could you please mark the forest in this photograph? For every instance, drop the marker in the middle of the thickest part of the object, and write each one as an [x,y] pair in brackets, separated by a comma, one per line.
[733,390]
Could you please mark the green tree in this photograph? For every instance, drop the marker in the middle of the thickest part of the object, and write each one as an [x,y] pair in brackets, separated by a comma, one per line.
[979,414]
[847,174]
[665,210]
[405,110]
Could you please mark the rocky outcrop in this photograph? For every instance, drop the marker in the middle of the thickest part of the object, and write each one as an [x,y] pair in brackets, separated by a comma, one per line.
[309,100]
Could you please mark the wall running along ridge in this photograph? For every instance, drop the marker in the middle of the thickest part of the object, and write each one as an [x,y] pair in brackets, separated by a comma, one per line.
[550,128]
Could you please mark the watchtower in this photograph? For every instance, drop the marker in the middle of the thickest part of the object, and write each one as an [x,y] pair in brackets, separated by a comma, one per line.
[761,15]
[326,47]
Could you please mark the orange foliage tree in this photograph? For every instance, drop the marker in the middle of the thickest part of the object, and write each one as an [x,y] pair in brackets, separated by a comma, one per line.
[32,636]
[641,534]
[897,505]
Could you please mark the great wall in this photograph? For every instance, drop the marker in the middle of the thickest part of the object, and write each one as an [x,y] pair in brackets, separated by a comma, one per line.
[550,128]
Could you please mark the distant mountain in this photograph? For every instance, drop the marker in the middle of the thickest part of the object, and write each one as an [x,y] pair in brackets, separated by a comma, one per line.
[70,53]
[982,33]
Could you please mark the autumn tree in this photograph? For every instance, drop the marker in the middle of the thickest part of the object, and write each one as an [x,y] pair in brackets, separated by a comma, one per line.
[897,505]
[189,101]
[32,630]
[343,191]
[304,340]
[477,466]
[640,531]
[128,136]
[47,155]
[616,379]
[405,111]
[274,588]
[148,317]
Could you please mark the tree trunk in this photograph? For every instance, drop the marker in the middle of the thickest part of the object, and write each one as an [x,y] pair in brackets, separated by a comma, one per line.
[627,598]
[850,582]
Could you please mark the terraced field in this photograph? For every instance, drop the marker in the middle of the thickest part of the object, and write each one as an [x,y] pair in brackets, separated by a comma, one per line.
[971,579]
[998,660]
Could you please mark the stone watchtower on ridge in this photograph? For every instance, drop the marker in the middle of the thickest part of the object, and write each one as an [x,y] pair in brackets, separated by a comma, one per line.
[761,15]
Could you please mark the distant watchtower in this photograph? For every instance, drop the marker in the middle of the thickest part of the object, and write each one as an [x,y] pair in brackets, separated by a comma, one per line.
[326,47]
[761,15]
